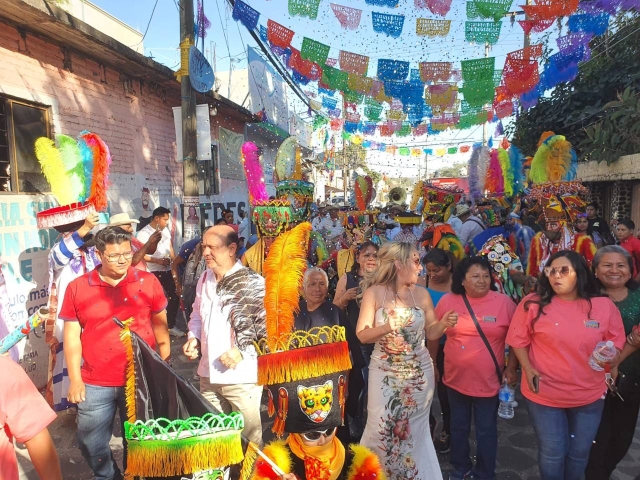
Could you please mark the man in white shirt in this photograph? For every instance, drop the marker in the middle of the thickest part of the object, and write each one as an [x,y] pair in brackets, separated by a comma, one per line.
[228,317]
[330,225]
[159,263]
[471,225]
[244,227]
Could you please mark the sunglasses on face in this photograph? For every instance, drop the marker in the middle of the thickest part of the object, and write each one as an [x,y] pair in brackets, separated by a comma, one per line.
[562,271]
[315,436]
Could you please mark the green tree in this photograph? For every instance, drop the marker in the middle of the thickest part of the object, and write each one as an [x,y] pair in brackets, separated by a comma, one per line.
[453,171]
[572,109]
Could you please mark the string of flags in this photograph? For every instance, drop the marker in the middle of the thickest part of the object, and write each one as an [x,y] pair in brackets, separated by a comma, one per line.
[404,98]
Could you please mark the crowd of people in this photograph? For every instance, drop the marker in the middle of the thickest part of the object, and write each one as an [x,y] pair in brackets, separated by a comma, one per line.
[387,308]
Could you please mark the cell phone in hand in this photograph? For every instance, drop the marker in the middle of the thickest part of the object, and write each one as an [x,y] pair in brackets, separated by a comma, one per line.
[536,384]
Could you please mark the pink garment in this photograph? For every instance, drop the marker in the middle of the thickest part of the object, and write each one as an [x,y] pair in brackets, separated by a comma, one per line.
[24,413]
[468,366]
[560,344]
[136,245]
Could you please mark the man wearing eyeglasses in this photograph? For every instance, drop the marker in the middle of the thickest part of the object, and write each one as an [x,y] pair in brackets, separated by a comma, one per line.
[95,356]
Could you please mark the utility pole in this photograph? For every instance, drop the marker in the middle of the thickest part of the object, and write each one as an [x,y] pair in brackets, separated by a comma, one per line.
[188,104]
[527,33]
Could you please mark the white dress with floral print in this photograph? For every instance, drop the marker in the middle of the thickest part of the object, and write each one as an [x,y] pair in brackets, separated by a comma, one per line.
[401,387]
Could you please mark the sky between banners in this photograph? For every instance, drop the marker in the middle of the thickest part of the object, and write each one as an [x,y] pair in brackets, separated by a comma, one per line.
[231,39]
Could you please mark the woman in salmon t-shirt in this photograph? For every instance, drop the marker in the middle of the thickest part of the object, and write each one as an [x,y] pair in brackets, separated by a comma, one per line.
[553,334]
[469,370]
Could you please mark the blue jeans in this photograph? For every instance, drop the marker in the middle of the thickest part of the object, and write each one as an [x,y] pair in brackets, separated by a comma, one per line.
[95,426]
[485,417]
[565,437]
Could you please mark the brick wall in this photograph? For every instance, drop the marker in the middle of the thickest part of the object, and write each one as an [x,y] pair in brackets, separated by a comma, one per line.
[134,117]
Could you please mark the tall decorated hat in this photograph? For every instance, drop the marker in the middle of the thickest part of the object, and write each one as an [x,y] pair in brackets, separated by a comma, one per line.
[171,429]
[358,229]
[554,161]
[78,171]
[271,217]
[435,203]
[291,186]
[305,371]
[559,201]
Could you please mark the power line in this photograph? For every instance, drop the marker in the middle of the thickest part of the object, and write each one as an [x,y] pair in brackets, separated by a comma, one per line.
[148,24]
[278,66]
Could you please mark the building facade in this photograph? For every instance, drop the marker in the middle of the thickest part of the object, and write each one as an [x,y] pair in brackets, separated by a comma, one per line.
[62,76]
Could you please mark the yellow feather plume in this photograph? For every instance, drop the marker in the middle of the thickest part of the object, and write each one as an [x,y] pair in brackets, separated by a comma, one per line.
[417,193]
[54,170]
[283,271]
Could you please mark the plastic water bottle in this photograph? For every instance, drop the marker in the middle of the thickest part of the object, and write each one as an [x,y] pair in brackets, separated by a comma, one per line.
[603,353]
[506,396]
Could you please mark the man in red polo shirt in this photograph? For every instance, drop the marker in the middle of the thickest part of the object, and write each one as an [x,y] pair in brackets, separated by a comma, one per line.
[114,289]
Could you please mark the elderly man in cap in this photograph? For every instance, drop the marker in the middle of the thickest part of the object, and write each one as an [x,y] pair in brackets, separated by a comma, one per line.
[140,249]
[471,225]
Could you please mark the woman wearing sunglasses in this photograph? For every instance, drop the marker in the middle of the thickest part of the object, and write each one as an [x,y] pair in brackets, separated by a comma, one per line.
[612,267]
[553,333]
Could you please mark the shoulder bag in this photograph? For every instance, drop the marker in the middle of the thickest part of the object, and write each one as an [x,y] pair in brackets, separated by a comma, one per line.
[483,337]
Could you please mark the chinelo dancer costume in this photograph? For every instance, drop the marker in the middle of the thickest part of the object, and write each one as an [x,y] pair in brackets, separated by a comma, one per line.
[294,187]
[553,170]
[78,171]
[436,205]
[306,376]
[271,217]
[358,225]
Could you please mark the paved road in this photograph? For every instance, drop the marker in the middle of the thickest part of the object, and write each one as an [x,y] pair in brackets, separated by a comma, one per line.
[516,443]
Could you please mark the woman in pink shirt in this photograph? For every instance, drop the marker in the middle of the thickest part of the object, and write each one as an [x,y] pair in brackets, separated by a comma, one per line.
[471,375]
[553,334]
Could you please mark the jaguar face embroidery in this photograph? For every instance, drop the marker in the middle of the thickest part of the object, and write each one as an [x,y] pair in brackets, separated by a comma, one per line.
[316,401]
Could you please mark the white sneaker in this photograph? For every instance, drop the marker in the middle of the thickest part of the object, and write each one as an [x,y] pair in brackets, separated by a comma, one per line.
[175,332]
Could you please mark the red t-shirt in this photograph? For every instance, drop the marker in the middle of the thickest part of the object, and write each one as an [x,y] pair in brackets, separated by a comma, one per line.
[23,414]
[468,366]
[560,344]
[632,245]
[94,303]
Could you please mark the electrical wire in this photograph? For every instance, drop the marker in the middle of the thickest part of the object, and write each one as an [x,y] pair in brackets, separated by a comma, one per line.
[148,24]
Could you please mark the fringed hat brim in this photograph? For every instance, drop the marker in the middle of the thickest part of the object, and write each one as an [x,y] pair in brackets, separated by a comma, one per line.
[302,363]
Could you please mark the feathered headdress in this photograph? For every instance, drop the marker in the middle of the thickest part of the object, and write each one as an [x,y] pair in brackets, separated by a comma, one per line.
[495,179]
[474,177]
[516,159]
[291,186]
[554,161]
[270,216]
[78,172]
[284,268]
[254,173]
[292,363]
[363,192]
[416,196]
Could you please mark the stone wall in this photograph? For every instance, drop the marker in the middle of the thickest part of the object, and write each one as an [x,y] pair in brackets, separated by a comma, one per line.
[614,198]
[621,199]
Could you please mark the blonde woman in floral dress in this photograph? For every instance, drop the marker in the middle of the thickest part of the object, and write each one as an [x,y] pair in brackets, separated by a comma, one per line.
[396,316]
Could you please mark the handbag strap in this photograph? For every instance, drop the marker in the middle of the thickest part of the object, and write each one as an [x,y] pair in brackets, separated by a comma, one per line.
[483,337]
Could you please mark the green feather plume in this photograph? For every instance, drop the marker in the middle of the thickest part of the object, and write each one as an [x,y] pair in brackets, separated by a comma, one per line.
[71,159]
